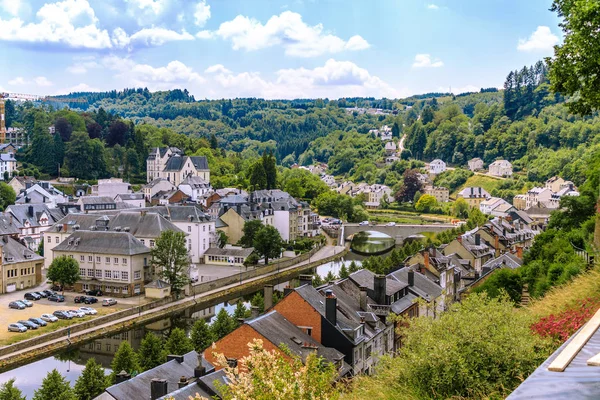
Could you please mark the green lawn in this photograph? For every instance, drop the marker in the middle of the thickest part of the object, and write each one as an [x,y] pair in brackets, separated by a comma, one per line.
[486,182]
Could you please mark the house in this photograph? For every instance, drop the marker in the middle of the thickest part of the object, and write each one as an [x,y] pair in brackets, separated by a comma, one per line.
[376,193]
[329,180]
[41,193]
[151,189]
[491,203]
[96,203]
[194,187]
[19,183]
[441,194]
[276,333]
[475,164]
[537,196]
[335,319]
[229,256]
[421,287]
[234,210]
[21,267]
[469,246]
[556,183]
[567,190]
[520,201]
[501,168]
[8,148]
[437,166]
[16,138]
[111,187]
[8,166]
[474,196]
[215,195]
[156,161]
[179,167]
[391,159]
[32,220]
[390,148]
[158,289]
[174,196]
[113,262]
[540,215]
[136,200]
[286,211]
[502,209]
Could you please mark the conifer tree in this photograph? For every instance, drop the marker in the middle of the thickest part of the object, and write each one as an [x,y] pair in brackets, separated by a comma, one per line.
[202,336]
[151,352]
[125,359]
[92,381]
[54,387]
[178,343]
[8,391]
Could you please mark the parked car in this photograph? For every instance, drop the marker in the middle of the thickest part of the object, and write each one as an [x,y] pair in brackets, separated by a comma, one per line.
[109,302]
[391,224]
[17,305]
[76,313]
[41,294]
[57,298]
[38,321]
[57,288]
[28,324]
[90,300]
[95,292]
[79,299]
[363,223]
[48,293]
[88,310]
[26,302]
[62,314]
[17,328]
[32,296]
[49,318]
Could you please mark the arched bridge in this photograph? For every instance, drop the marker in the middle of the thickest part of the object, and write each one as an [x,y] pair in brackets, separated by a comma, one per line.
[399,232]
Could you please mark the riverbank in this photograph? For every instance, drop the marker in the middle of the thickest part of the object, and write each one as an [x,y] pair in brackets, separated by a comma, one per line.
[48,344]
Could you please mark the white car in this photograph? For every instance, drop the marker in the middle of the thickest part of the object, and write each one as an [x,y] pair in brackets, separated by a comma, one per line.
[88,310]
[363,223]
[49,318]
[391,224]
[26,302]
[76,313]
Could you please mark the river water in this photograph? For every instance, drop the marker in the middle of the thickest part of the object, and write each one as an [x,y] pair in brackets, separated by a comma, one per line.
[70,363]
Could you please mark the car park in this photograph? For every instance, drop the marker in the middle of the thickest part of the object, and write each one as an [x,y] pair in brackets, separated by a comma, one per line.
[109,302]
[88,310]
[48,318]
[17,328]
[57,298]
[76,313]
[42,294]
[62,314]
[32,296]
[94,292]
[17,305]
[38,321]
[26,302]
[28,324]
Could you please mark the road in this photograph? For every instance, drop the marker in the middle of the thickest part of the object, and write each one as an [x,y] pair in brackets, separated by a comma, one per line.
[401,143]
[47,347]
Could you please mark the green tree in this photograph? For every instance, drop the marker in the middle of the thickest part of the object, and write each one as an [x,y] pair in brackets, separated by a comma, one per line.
[178,343]
[270,166]
[396,130]
[353,267]
[258,176]
[150,353]
[214,144]
[92,381]
[202,336]
[344,272]
[54,387]
[125,359]
[426,203]
[7,195]
[8,391]
[426,115]
[64,270]
[460,208]
[170,259]
[250,229]
[268,243]
[411,184]
[222,325]
[503,281]
[258,301]
[574,67]
[59,151]
[222,239]
[240,312]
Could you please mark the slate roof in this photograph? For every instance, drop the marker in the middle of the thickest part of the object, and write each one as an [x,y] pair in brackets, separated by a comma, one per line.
[187,392]
[228,252]
[21,213]
[199,162]
[403,303]
[130,196]
[14,252]
[507,259]
[96,200]
[155,182]
[7,157]
[474,192]
[102,242]
[212,381]
[138,387]
[366,278]
[423,287]
[7,227]
[177,162]
[195,182]
[158,284]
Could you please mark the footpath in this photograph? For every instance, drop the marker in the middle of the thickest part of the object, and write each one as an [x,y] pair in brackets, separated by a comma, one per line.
[43,348]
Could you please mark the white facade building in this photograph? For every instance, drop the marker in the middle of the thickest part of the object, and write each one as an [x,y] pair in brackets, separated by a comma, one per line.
[437,166]
[501,168]
[111,187]
[8,164]
[475,164]
[195,187]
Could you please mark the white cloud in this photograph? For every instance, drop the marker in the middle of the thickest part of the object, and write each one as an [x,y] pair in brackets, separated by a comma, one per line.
[425,61]
[202,13]
[433,7]
[149,37]
[217,68]
[69,22]
[205,35]
[289,31]
[42,81]
[19,80]
[153,6]
[11,6]
[541,40]
[82,87]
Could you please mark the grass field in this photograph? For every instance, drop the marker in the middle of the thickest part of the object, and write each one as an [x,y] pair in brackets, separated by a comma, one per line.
[486,182]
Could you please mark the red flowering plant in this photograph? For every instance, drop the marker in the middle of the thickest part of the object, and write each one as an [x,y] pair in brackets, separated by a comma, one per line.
[561,326]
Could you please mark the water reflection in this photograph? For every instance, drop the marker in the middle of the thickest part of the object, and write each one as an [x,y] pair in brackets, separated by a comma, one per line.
[372,243]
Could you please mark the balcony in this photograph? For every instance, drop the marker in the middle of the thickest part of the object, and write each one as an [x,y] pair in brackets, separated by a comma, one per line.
[379,310]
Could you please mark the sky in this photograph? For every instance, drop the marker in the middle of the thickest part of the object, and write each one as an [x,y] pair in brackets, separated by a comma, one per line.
[274,49]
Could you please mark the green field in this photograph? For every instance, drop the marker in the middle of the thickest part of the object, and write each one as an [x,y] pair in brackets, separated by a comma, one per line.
[486,182]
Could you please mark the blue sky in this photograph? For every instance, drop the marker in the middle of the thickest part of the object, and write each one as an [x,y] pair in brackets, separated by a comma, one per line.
[270,48]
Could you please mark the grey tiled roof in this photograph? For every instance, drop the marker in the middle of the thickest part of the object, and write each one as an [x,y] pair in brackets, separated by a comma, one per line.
[199,162]
[102,242]
[506,259]
[96,200]
[14,252]
[403,303]
[215,251]
[21,213]
[366,278]
[423,287]
[158,284]
[130,196]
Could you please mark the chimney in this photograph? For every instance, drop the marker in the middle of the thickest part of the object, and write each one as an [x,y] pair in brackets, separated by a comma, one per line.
[520,252]
[183,382]
[65,227]
[411,278]
[331,307]
[459,238]
[177,358]
[305,280]
[379,286]
[497,246]
[30,211]
[268,296]
[158,388]
[287,290]
[426,259]
[232,362]
[122,377]
[477,239]
[363,298]
[200,370]
[254,312]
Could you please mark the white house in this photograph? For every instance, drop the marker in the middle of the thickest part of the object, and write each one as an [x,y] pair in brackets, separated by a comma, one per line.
[538,196]
[437,166]
[136,200]
[41,193]
[195,187]
[390,147]
[490,204]
[329,180]
[111,187]
[157,185]
[8,164]
[501,168]
[475,164]
[199,226]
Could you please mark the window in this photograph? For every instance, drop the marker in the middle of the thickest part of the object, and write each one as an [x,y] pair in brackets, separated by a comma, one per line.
[57,239]
[152,243]
[49,239]
[90,258]
[124,261]
[82,271]
[116,260]
[124,276]
[115,274]
[143,241]
[203,228]
[82,258]
[98,259]
[368,352]
[85,286]
[137,275]
[98,273]
[107,274]
[107,260]
[189,228]
[90,272]
[108,346]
